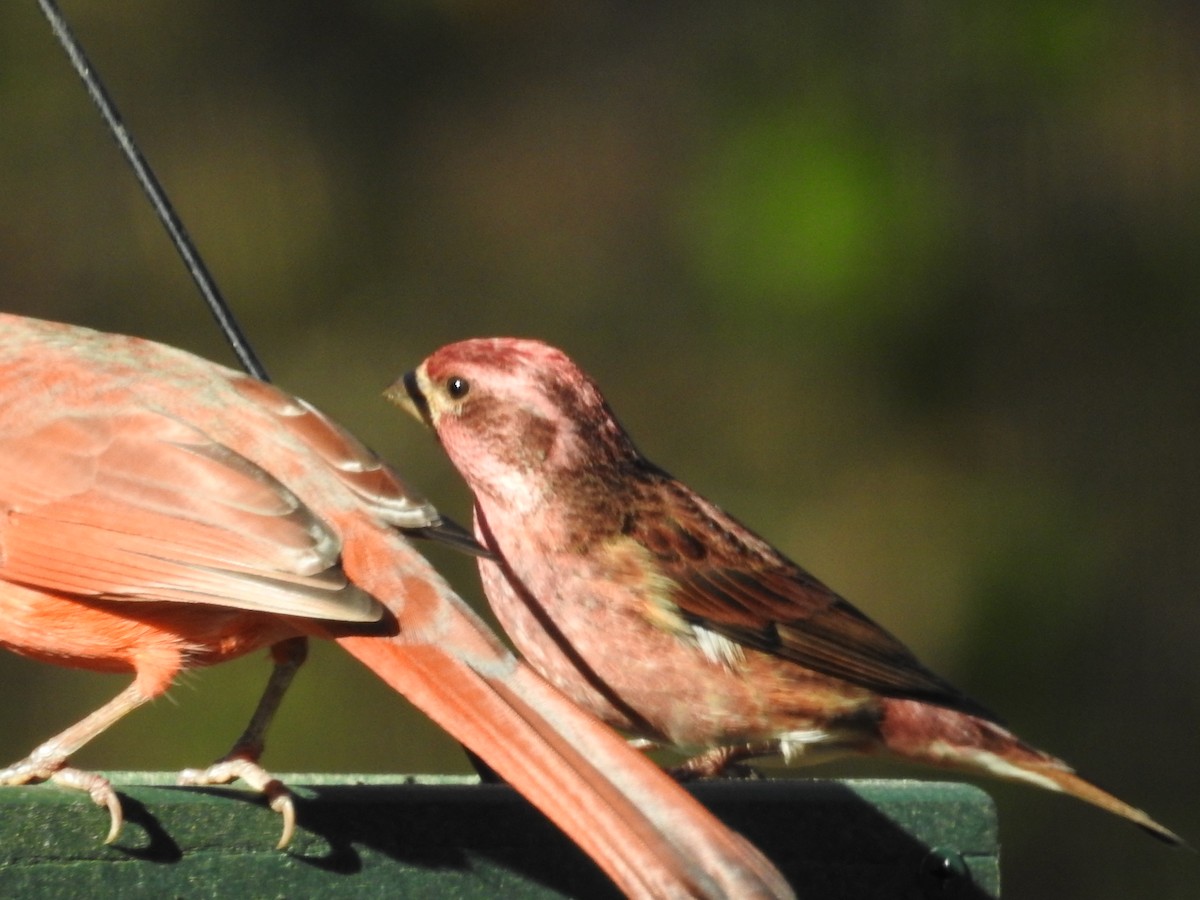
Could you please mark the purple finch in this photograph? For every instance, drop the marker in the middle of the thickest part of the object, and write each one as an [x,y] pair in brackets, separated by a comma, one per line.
[664,615]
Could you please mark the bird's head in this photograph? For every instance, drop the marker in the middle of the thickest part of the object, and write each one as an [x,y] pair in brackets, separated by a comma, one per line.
[511,409]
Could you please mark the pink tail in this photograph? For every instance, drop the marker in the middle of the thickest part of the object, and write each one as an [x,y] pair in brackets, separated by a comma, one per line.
[943,737]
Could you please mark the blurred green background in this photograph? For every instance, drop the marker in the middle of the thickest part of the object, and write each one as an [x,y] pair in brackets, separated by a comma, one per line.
[912,290]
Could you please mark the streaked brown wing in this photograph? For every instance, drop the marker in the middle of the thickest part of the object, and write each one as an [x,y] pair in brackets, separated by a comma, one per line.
[130,504]
[731,582]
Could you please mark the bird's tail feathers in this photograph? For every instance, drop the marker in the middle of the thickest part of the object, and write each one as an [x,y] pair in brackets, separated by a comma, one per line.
[944,737]
[650,836]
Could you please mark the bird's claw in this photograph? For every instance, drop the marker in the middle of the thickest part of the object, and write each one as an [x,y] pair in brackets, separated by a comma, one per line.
[101,791]
[283,804]
[719,762]
[233,767]
[34,770]
[103,794]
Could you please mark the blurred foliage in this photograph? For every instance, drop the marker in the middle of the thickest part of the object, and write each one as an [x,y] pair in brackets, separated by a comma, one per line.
[912,289]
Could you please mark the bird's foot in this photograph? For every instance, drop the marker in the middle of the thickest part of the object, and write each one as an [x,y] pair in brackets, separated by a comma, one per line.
[34,770]
[721,762]
[235,766]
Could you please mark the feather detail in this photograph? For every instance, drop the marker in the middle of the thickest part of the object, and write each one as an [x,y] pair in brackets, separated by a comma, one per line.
[362,470]
[749,593]
[152,509]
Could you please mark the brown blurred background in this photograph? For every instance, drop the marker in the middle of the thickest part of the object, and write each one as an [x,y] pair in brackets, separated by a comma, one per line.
[913,291]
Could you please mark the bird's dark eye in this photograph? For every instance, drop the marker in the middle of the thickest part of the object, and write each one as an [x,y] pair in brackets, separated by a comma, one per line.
[457,387]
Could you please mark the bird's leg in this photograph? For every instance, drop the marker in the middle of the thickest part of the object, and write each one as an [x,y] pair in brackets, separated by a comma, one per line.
[242,760]
[718,761]
[48,762]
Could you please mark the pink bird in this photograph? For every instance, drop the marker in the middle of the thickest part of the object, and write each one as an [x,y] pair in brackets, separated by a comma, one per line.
[159,513]
[663,614]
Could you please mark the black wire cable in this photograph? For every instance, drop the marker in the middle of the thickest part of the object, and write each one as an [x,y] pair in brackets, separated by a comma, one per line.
[154,191]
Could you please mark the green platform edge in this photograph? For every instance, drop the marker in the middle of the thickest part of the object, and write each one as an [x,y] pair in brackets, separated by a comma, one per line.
[446,836]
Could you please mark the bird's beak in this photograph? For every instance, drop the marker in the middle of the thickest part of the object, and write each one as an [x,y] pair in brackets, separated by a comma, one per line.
[407,394]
